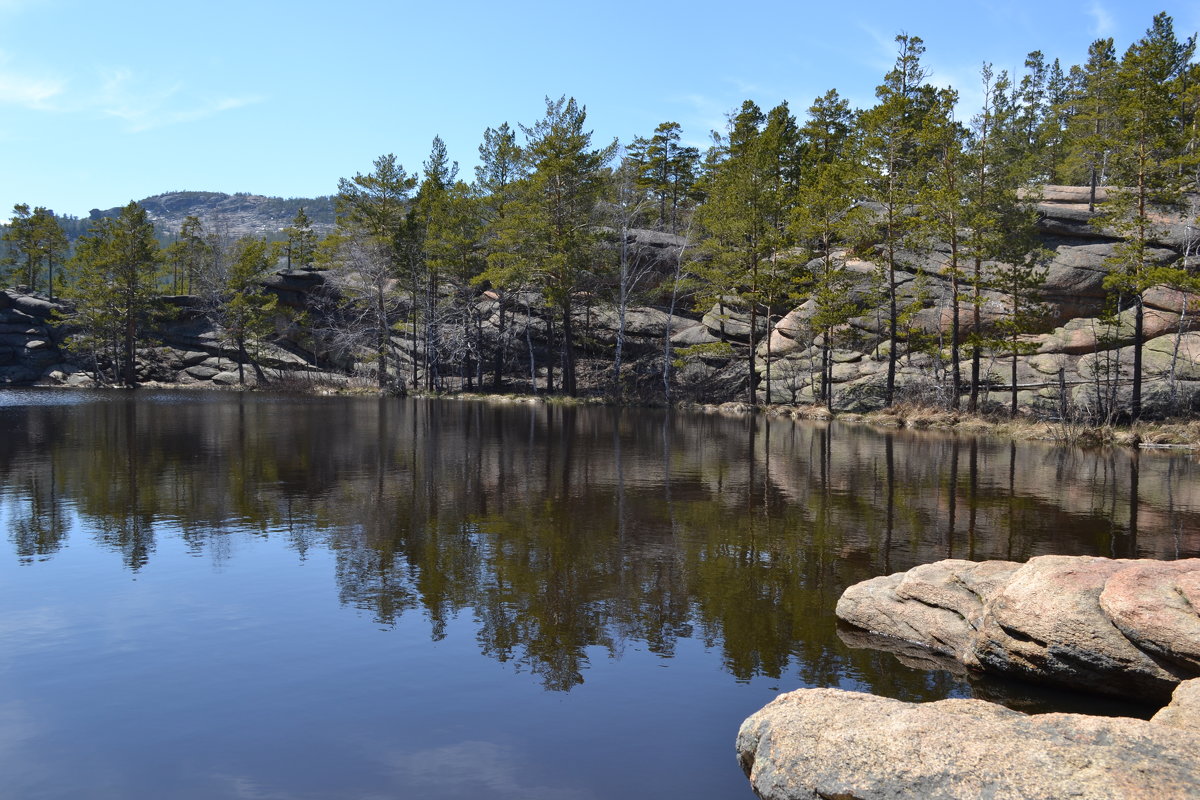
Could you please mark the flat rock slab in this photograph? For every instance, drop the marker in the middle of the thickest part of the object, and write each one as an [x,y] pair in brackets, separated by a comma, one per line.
[829,743]
[1120,627]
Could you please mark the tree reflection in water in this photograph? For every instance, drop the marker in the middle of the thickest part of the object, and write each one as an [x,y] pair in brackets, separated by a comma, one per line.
[569,533]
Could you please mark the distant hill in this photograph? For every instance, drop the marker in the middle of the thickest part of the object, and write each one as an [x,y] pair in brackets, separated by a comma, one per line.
[238,214]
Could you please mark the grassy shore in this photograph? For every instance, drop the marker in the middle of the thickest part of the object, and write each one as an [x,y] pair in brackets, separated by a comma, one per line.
[1183,434]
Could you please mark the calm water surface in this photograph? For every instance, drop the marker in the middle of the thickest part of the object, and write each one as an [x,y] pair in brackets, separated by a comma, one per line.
[224,596]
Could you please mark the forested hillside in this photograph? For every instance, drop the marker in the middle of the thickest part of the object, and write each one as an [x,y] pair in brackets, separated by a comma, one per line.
[1036,251]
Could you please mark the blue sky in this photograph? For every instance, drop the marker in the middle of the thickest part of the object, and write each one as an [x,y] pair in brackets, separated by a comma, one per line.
[104,102]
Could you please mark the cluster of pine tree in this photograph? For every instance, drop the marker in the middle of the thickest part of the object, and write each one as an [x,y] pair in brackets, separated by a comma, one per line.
[763,220]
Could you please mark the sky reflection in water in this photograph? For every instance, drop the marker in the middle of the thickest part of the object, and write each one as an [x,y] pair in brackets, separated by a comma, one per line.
[241,596]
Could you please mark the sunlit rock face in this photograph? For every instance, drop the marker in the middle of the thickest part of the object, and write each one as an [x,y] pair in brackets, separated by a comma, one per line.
[1122,627]
[827,743]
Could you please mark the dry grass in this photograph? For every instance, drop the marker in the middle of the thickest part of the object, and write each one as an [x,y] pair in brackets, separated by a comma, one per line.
[1174,433]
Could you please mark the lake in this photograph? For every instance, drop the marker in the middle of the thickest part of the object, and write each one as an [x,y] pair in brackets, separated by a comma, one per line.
[212,595]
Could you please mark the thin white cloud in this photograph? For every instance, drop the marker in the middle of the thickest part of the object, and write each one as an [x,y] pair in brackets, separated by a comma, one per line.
[21,89]
[1102,19]
[141,104]
[144,105]
[706,114]
[883,55]
[480,769]
[31,93]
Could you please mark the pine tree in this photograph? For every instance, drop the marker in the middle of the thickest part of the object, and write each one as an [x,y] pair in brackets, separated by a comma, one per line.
[439,174]
[890,131]
[497,180]
[667,171]
[452,247]
[991,206]
[1092,118]
[53,243]
[117,270]
[551,226]
[1146,149]
[373,210]
[941,208]
[735,220]
[300,247]
[246,309]
[827,212]
[190,256]
[24,252]
[1019,277]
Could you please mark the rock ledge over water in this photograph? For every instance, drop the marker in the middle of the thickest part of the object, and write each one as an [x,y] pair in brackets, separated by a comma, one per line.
[1122,627]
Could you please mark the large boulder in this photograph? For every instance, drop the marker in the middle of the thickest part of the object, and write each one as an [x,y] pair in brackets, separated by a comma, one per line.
[939,605]
[829,743]
[1046,623]
[1123,627]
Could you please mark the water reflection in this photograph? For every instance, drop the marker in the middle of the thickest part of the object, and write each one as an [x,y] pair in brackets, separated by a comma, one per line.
[565,533]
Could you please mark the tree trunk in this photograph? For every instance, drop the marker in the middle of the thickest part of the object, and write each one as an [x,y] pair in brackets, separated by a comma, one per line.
[130,374]
[1013,409]
[498,362]
[751,386]
[1135,406]
[568,350]
[529,344]
[382,322]
[892,313]
[955,357]
[767,360]
[976,330]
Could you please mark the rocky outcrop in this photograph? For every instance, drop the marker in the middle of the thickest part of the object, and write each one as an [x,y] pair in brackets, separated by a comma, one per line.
[185,348]
[1091,366]
[29,339]
[1120,627]
[829,743]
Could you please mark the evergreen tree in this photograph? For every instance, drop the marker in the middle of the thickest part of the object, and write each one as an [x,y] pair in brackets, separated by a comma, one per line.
[23,258]
[1146,148]
[300,247]
[1029,103]
[246,309]
[550,228]
[667,171]
[117,269]
[497,180]
[827,212]
[430,206]
[1019,278]
[452,245]
[1092,117]
[35,242]
[991,205]
[53,243]
[890,131]
[941,203]
[190,256]
[735,219]
[1053,132]
[373,212]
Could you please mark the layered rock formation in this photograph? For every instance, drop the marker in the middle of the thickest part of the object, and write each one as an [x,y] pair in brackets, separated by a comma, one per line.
[1121,627]
[828,743]
[186,348]
[1076,347]
[29,340]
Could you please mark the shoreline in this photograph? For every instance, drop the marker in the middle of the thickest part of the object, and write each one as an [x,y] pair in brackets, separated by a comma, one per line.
[1163,435]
